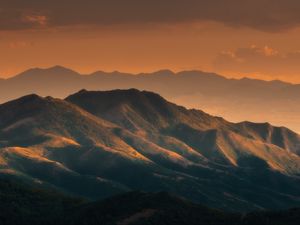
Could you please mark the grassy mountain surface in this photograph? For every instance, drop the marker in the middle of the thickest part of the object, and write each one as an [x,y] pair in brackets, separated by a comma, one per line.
[97,144]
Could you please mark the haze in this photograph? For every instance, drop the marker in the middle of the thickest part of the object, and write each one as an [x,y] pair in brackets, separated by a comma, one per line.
[257,39]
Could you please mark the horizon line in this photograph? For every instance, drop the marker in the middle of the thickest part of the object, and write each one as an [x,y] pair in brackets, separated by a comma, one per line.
[144,73]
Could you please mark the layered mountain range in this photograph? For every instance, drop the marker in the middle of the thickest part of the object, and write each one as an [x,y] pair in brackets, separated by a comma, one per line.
[94,144]
[234,99]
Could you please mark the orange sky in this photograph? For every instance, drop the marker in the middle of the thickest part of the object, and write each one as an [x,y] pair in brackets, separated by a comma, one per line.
[250,49]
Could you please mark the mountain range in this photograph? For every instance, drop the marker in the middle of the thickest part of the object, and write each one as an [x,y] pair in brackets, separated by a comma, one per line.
[95,144]
[237,100]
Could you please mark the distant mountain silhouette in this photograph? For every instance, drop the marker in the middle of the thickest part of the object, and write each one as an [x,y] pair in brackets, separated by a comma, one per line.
[276,102]
[97,144]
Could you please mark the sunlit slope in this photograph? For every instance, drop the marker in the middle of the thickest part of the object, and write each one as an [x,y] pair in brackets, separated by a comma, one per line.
[96,146]
[207,137]
[53,141]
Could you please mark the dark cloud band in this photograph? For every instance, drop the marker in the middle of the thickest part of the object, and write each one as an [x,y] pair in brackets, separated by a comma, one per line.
[268,15]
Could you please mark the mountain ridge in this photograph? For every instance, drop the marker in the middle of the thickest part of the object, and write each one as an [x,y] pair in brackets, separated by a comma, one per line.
[234,99]
[173,115]
[93,154]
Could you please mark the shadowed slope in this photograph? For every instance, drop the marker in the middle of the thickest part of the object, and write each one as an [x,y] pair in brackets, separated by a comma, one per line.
[59,143]
[23,204]
[138,141]
[217,140]
[163,208]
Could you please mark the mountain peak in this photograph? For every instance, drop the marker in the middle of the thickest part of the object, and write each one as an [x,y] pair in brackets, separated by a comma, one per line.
[58,68]
[163,72]
[122,93]
[149,109]
[25,99]
[54,71]
[133,97]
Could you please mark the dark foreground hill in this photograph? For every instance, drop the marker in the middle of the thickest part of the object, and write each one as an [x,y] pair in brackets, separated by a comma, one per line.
[98,144]
[161,208]
[22,204]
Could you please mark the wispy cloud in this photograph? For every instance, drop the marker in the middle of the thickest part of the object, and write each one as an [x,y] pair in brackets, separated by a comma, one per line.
[255,59]
[35,19]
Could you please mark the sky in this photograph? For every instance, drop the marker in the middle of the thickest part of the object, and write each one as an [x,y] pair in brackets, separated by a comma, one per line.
[236,38]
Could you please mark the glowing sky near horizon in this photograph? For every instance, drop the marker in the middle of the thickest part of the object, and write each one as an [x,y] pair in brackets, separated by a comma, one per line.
[258,39]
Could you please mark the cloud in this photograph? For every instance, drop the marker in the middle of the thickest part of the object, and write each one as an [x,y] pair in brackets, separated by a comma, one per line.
[35,19]
[260,60]
[266,15]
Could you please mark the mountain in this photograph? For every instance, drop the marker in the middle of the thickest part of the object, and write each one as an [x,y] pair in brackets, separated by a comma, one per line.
[41,81]
[234,99]
[148,114]
[97,144]
[23,204]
